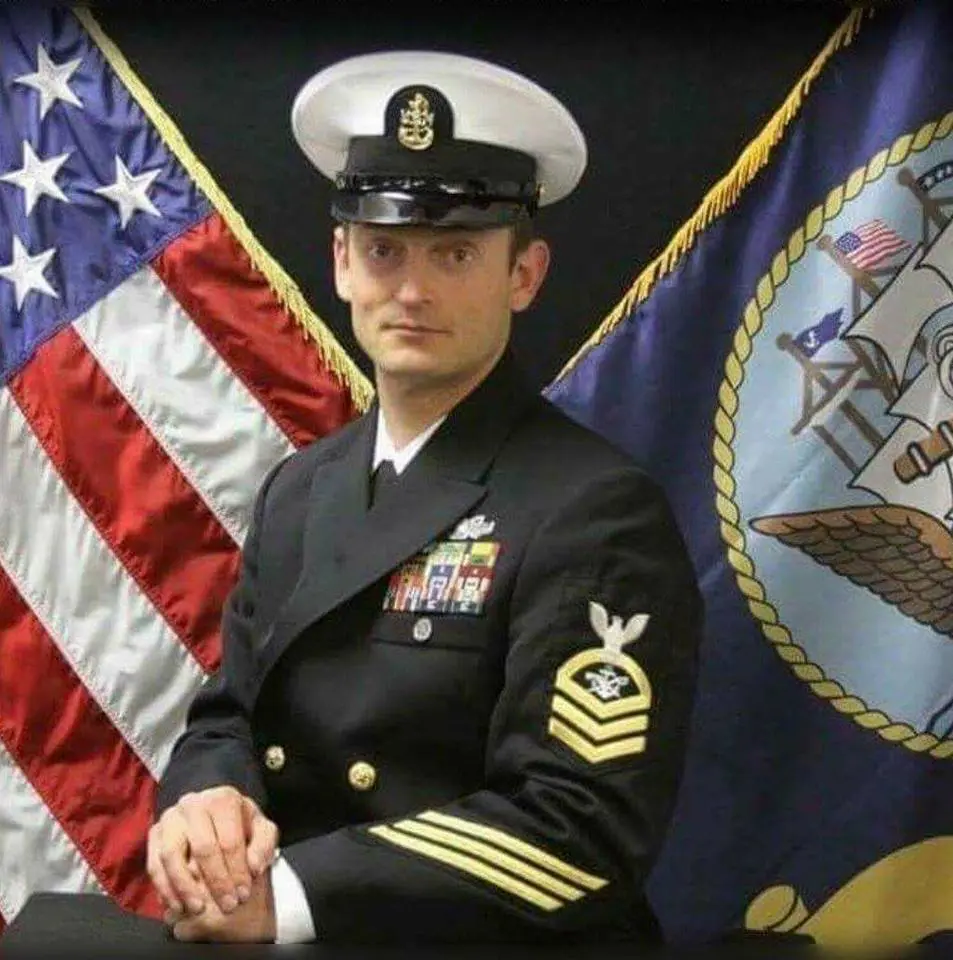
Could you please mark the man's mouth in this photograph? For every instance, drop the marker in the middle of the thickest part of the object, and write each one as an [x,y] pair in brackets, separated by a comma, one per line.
[409,326]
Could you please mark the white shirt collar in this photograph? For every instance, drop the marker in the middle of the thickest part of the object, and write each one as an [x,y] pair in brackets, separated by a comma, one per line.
[384,446]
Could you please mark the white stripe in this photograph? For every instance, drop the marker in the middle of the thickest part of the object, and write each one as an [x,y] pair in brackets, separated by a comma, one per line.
[206,420]
[35,852]
[108,630]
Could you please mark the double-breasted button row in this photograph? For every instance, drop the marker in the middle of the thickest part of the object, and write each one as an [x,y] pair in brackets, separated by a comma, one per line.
[361,775]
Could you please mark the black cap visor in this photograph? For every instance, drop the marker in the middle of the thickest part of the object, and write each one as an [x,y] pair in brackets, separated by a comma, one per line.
[454,183]
[438,209]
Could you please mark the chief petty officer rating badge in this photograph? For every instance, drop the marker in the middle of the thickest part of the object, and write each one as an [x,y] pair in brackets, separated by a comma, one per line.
[600,707]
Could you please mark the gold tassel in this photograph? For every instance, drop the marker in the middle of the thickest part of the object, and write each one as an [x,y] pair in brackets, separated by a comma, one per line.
[726,191]
[285,289]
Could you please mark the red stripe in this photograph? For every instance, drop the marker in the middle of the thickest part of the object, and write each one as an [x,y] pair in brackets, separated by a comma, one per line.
[884,241]
[212,277]
[76,760]
[881,237]
[141,504]
[876,228]
[872,226]
[869,255]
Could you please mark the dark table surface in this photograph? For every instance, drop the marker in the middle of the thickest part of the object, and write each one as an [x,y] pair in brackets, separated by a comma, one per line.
[80,926]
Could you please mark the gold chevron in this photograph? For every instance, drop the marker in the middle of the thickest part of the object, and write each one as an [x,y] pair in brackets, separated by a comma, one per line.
[474,867]
[447,838]
[895,901]
[520,847]
[589,751]
[593,728]
[604,710]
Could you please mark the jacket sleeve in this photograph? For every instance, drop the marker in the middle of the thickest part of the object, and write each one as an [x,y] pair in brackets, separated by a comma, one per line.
[216,748]
[584,755]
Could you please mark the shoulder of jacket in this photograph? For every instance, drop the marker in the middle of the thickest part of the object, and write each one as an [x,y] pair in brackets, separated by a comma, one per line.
[298,467]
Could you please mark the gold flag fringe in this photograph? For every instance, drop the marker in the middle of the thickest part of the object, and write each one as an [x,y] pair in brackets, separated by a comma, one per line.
[726,191]
[285,289]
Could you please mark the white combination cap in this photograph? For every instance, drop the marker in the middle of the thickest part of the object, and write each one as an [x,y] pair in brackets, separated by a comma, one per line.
[436,138]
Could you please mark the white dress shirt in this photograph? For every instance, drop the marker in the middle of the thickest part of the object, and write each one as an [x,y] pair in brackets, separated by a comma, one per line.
[293,920]
[384,447]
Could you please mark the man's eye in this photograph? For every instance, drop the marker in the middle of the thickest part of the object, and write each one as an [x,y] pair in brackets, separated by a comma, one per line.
[380,251]
[459,256]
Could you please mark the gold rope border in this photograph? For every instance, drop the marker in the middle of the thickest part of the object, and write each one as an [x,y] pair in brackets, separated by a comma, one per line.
[727,508]
[725,193]
[285,289]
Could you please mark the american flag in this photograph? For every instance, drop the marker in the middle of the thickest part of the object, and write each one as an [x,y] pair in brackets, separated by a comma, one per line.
[154,364]
[870,244]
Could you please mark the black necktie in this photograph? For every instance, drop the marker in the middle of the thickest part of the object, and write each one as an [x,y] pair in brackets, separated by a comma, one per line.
[383,482]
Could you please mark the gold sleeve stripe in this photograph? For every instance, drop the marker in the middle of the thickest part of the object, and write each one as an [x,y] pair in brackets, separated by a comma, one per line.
[507,861]
[474,867]
[589,751]
[520,847]
[593,728]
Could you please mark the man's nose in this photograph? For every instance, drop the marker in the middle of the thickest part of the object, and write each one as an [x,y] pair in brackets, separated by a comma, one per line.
[414,285]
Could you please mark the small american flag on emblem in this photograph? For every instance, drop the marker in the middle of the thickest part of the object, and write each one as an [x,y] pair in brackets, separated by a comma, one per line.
[870,244]
[150,375]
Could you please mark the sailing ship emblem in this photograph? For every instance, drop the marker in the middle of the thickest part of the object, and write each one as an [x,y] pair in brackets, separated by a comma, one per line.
[863,485]
[903,550]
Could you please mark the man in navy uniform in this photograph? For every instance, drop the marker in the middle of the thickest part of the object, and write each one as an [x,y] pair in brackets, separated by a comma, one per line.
[458,666]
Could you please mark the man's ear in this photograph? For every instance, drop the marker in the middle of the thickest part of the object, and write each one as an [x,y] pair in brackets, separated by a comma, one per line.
[528,274]
[342,267]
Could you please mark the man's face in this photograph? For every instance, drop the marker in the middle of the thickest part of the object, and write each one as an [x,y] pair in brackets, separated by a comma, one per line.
[432,306]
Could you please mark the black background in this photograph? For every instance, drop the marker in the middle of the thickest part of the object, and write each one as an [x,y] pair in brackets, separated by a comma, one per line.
[668,94]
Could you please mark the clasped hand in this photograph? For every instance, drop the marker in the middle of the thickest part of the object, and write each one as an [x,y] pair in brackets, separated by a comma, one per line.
[210,859]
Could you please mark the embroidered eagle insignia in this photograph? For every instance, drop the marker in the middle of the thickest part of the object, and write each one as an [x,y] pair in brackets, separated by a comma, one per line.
[602,697]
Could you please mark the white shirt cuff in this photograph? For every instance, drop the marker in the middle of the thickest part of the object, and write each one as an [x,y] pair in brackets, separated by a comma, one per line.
[293,920]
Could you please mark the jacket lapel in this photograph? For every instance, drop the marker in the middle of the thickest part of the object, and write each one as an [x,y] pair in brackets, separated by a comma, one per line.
[348,546]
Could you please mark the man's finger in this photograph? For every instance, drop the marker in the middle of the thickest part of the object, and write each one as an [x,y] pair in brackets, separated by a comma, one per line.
[228,822]
[167,896]
[156,871]
[187,894]
[210,926]
[262,836]
[189,930]
[203,825]
[174,853]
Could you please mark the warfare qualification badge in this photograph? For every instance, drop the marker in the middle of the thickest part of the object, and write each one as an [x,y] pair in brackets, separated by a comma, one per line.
[416,124]
[602,697]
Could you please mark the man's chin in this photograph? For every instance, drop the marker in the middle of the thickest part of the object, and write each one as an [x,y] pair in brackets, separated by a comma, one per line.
[413,365]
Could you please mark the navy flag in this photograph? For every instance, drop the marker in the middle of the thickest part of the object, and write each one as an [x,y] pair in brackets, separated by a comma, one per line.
[810,340]
[816,491]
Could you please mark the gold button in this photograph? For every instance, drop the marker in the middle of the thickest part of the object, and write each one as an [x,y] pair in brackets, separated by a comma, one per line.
[275,758]
[423,630]
[361,776]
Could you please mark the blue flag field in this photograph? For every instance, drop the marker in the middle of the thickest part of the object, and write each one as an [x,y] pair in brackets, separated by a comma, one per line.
[785,369]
